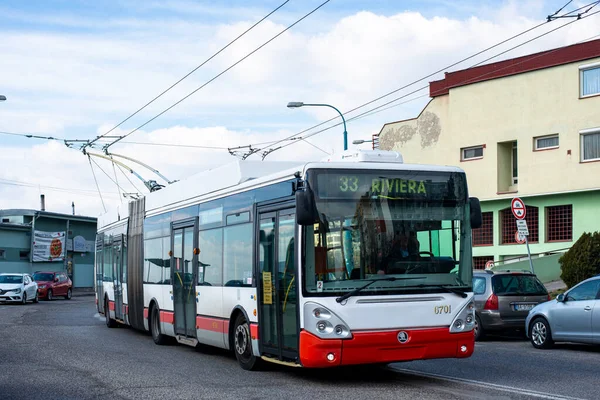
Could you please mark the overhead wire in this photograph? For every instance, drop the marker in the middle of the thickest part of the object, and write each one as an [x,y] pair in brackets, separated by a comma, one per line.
[218,75]
[447,87]
[130,181]
[81,192]
[96,180]
[421,88]
[105,173]
[191,72]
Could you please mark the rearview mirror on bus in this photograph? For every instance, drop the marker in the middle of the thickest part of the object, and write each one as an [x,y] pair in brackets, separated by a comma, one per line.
[306,212]
[476,217]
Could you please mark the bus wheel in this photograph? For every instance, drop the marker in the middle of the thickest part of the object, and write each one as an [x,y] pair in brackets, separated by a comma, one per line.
[242,345]
[111,323]
[158,337]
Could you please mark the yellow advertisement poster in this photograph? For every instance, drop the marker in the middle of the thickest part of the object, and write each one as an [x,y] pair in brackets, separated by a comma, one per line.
[267,288]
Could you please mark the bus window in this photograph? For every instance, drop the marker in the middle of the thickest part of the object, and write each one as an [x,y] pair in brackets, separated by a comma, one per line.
[210,260]
[237,255]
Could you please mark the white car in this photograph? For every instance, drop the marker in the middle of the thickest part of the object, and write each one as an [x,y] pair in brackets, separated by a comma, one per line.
[18,288]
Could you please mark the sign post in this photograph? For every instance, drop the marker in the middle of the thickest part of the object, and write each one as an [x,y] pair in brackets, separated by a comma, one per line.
[519,211]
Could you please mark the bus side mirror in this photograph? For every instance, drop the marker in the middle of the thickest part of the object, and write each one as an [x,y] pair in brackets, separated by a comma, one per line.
[306,211]
[476,218]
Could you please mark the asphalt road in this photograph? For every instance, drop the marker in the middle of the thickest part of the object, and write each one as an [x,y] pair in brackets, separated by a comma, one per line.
[63,350]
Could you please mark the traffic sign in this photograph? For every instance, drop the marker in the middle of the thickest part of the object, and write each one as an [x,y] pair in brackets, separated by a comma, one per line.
[520,239]
[489,264]
[522,227]
[518,208]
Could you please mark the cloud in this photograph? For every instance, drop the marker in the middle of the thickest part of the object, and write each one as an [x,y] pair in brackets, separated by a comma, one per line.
[80,83]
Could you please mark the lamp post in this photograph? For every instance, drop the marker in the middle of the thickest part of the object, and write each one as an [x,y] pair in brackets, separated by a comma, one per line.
[2,97]
[298,104]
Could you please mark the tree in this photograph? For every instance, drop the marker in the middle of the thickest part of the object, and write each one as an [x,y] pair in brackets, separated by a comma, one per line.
[582,261]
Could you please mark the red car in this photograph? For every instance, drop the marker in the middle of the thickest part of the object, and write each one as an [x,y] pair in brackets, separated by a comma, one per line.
[53,284]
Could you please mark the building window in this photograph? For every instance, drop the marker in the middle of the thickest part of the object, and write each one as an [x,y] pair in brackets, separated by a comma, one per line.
[2,254]
[590,145]
[24,254]
[545,142]
[509,225]
[484,236]
[590,80]
[514,164]
[471,153]
[559,223]
[479,262]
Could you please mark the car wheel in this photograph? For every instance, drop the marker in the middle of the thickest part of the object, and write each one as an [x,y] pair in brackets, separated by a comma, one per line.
[49,295]
[478,330]
[37,297]
[69,294]
[540,334]
[24,298]
[157,336]
[111,323]
[242,345]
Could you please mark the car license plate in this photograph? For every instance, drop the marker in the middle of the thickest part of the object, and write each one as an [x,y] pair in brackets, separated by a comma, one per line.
[523,307]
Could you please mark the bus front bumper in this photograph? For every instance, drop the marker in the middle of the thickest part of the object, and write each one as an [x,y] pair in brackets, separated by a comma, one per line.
[382,347]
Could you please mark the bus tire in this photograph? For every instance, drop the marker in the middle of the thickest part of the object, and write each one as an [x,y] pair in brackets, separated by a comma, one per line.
[158,337]
[111,323]
[242,345]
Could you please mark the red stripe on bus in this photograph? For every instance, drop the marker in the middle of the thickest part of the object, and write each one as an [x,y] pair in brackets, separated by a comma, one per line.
[167,317]
[254,331]
[111,305]
[145,313]
[210,324]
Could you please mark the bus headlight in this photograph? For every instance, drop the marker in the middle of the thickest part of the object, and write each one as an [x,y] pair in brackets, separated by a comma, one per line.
[465,320]
[323,323]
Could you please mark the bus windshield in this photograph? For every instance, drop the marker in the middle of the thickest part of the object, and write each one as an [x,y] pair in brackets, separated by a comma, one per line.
[375,224]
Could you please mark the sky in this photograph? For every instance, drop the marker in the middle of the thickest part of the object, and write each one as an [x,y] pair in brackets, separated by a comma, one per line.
[74,69]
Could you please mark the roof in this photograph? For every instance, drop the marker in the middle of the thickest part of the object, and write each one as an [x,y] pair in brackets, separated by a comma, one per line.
[514,66]
[14,227]
[48,214]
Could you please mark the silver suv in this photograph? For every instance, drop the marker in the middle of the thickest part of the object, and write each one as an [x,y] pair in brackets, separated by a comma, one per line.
[503,299]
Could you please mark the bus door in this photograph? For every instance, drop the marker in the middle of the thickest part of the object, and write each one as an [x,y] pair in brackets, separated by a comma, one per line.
[100,272]
[117,260]
[183,277]
[277,272]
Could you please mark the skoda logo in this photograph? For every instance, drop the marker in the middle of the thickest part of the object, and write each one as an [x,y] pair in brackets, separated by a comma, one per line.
[402,337]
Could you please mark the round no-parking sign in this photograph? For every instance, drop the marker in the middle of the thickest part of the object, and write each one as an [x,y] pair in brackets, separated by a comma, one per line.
[518,208]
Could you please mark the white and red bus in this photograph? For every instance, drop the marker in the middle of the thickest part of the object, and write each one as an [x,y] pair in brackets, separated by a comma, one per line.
[357,259]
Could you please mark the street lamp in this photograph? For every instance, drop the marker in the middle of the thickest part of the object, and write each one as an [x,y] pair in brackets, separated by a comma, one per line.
[298,104]
[360,141]
[2,97]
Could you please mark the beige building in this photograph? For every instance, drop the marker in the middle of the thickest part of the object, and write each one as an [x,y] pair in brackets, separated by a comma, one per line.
[526,127]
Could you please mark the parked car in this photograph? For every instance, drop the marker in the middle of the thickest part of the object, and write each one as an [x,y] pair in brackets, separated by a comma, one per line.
[18,288]
[53,284]
[503,299]
[572,317]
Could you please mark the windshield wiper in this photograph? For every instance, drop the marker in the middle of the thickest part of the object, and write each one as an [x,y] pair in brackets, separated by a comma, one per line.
[446,288]
[372,281]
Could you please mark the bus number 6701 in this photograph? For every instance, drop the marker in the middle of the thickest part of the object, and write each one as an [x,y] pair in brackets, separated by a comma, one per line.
[442,309]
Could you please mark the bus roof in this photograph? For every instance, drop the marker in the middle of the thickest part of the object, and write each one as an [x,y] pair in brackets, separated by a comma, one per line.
[239,175]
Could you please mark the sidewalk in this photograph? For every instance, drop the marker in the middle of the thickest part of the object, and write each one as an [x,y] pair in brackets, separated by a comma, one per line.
[555,285]
[77,292]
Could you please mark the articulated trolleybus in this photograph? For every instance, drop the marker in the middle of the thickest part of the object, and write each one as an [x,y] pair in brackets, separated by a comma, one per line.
[357,259]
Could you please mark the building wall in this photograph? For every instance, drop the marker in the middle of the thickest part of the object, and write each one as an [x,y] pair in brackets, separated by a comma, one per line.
[495,113]
[586,218]
[14,241]
[515,108]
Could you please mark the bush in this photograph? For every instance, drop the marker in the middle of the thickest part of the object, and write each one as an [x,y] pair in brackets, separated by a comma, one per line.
[582,261]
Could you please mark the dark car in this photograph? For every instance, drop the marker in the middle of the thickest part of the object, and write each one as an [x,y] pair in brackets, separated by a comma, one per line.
[503,299]
[53,284]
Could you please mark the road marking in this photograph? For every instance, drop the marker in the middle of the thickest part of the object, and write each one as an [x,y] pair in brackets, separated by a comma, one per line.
[503,388]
